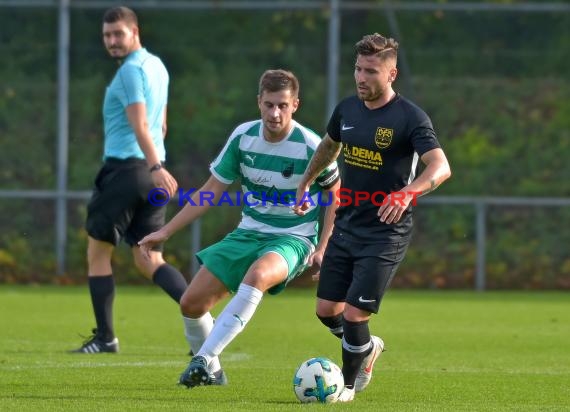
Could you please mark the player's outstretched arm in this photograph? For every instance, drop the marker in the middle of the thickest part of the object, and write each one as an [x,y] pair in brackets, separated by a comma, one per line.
[326,153]
[211,190]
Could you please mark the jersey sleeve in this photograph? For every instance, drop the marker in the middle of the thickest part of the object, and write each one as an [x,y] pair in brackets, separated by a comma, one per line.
[421,132]
[226,167]
[132,82]
[333,128]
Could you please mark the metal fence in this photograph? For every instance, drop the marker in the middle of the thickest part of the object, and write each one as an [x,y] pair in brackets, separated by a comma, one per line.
[480,205]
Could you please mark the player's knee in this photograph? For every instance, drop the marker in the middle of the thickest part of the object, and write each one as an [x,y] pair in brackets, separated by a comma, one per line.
[147,265]
[143,267]
[192,307]
[354,314]
[185,305]
[327,308]
[262,280]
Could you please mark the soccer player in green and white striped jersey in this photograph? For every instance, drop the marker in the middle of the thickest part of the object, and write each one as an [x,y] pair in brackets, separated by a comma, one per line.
[271,245]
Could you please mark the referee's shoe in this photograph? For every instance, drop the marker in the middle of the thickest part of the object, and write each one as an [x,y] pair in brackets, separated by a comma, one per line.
[94,344]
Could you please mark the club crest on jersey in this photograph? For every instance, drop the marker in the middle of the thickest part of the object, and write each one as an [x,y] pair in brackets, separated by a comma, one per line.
[287,170]
[383,137]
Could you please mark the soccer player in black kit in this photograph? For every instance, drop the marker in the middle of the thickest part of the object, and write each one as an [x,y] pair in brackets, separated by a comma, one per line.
[382,136]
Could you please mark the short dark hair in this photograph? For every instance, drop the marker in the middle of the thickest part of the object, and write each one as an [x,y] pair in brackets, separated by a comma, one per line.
[277,80]
[377,45]
[121,13]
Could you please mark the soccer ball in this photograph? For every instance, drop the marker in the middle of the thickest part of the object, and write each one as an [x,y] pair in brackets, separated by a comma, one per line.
[318,380]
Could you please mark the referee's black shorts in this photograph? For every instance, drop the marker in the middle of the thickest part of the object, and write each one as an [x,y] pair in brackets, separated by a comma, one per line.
[359,273]
[119,207]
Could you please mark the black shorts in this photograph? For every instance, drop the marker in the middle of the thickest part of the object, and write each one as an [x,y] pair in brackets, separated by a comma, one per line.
[359,273]
[119,207]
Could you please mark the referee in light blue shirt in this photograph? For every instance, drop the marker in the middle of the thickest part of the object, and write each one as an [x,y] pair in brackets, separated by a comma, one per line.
[134,114]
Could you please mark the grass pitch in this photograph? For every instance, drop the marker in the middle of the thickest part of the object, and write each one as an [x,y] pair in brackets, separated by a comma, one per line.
[446,351]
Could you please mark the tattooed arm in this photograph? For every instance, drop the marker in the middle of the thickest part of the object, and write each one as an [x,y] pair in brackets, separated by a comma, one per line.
[326,153]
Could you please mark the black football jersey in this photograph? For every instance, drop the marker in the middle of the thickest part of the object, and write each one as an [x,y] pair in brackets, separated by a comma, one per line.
[381,150]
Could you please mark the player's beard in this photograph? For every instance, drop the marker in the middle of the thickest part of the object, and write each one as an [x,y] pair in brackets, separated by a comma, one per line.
[371,95]
[368,95]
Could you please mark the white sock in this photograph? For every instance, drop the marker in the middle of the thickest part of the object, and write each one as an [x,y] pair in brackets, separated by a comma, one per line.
[231,321]
[196,332]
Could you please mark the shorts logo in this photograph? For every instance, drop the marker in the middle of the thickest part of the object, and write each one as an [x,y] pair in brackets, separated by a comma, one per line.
[383,137]
[362,300]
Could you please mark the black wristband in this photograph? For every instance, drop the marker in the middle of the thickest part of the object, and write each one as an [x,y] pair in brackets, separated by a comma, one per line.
[155,167]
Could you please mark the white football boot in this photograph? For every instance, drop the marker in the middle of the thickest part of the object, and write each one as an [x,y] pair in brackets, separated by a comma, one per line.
[347,395]
[365,374]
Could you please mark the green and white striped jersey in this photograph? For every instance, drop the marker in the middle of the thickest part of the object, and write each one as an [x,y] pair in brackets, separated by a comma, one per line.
[269,174]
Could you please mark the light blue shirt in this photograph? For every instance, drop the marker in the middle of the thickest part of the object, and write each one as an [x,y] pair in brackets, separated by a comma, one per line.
[142,78]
